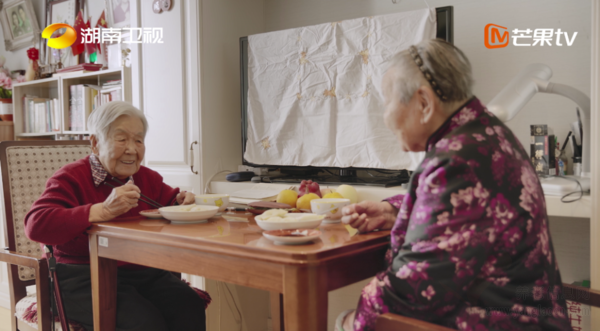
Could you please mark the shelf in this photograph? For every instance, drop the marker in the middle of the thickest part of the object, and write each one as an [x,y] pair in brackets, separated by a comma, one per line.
[59,87]
[37,83]
[37,134]
[93,74]
[75,132]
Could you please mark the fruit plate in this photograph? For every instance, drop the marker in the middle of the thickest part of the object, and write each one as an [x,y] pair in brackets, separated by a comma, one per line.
[182,214]
[292,236]
[301,221]
[151,213]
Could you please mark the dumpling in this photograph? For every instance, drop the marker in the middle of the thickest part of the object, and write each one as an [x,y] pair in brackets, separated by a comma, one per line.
[275,212]
[186,208]
[197,208]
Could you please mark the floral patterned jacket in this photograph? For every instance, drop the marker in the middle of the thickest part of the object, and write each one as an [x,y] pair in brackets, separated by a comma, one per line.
[471,248]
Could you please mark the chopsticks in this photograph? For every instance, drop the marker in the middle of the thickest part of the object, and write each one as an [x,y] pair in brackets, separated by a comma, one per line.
[149,201]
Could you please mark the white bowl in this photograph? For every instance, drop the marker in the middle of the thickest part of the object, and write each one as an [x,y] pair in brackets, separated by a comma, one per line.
[331,208]
[178,214]
[219,200]
[312,221]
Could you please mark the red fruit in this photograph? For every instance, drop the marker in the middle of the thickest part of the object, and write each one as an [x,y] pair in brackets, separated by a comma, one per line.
[308,186]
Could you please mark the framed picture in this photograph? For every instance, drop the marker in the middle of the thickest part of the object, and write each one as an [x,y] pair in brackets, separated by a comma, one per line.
[19,24]
[118,13]
[61,11]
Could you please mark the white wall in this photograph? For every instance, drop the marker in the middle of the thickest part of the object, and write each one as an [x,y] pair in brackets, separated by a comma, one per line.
[223,23]
[492,68]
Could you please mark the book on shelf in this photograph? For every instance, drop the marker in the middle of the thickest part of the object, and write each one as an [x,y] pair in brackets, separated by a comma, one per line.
[82,101]
[40,115]
[109,91]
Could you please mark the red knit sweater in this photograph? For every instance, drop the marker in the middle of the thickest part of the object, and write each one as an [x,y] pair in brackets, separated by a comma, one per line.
[60,217]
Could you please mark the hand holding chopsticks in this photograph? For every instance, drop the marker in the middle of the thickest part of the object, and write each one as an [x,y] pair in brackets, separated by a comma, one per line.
[146,199]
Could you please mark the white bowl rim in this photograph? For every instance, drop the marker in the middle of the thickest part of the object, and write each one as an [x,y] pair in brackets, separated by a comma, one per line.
[173,209]
[330,200]
[258,218]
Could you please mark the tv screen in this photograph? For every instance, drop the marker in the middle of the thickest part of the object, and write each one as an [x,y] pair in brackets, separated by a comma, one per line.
[325,174]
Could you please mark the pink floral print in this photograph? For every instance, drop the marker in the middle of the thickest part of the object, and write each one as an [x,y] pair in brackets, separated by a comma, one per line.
[471,248]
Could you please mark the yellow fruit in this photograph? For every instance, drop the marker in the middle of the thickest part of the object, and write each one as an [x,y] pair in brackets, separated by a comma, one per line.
[288,196]
[326,191]
[304,201]
[333,195]
[348,192]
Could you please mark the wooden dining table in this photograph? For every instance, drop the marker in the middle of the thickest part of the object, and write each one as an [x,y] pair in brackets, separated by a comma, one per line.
[298,276]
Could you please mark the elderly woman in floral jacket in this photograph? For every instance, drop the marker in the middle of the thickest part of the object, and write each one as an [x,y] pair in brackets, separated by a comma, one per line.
[470,245]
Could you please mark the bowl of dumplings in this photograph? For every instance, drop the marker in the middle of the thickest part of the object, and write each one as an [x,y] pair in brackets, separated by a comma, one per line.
[279,219]
[188,214]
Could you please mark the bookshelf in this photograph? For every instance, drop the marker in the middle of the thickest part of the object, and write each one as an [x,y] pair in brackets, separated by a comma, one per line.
[59,87]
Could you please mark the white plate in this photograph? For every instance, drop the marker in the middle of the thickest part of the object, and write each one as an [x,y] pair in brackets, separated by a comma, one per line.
[178,215]
[311,222]
[147,213]
[282,237]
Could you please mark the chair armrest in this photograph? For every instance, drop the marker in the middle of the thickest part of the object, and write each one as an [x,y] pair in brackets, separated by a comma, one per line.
[393,322]
[581,294]
[15,258]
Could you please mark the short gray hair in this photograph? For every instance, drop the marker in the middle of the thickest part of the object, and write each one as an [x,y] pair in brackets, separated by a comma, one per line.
[100,120]
[448,65]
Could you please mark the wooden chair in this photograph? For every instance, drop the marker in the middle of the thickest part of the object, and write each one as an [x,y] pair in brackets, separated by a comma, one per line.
[393,322]
[26,166]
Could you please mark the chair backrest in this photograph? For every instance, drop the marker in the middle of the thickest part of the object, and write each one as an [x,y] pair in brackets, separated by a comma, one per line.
[26,166]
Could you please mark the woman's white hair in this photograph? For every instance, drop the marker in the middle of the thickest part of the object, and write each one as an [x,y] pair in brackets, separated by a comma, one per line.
[100,120]
[448,65]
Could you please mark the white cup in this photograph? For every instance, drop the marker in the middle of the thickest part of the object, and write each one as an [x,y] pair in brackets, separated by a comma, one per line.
[331,208]
[219,200]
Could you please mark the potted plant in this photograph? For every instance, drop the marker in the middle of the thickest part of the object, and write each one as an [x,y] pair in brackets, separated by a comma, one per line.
[6,110]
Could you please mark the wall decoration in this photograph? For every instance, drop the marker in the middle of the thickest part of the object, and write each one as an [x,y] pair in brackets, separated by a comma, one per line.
[118,13]
[19,24]
[61,11]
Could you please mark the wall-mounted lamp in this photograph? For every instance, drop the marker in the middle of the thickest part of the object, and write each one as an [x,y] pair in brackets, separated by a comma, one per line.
[535,78]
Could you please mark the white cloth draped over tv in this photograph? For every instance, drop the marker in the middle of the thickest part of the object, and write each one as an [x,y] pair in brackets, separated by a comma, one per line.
[314,93]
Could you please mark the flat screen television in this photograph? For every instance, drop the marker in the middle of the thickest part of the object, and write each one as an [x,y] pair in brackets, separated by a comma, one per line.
[331,175]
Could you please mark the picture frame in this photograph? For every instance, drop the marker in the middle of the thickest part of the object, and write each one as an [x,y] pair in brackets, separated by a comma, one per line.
[61,11]
[118,13]
[19,24]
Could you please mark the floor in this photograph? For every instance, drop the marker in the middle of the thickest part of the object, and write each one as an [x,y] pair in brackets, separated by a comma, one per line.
[5,319]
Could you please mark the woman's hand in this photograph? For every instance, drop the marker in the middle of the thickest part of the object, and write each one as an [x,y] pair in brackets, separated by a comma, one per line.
[120,201]
[368,216]
[186,198]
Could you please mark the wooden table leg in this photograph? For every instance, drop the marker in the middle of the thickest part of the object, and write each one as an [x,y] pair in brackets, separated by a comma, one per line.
[277,311]
[305,298]
[104,288]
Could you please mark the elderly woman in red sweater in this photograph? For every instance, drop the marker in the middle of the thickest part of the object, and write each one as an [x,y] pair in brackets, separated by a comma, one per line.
[147,299]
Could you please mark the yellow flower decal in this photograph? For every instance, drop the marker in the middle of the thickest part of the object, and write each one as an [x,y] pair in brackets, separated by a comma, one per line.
[303,59]
[330,93]
[365,56]
[219,203]
[265,143]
